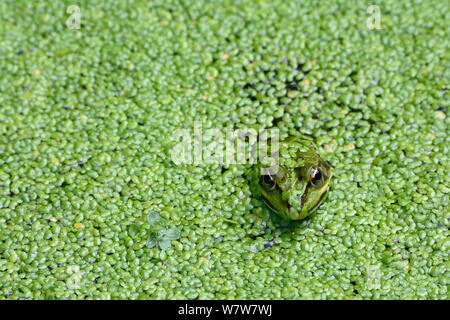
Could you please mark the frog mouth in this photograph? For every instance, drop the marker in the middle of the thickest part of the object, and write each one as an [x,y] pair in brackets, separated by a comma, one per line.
[320,200]
[267,202]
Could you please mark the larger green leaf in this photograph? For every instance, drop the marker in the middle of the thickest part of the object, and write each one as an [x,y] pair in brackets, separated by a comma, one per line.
[171,234]
[153,218]
[164,244]
[133,230]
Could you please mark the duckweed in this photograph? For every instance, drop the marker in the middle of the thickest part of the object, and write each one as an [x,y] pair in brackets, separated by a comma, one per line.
[86,123]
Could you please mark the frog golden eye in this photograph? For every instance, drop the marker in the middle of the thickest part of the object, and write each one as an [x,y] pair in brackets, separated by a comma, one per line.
[316,178]
[268,180]
[316,175]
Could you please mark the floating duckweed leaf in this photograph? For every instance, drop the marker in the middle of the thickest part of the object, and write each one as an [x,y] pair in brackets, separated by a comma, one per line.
[171,234]
[162,237]
[153,218]
[164,244]
[252,248]
[133,230]
[151,243]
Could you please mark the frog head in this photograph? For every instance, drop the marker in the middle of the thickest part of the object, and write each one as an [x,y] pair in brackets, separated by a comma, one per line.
[299,185]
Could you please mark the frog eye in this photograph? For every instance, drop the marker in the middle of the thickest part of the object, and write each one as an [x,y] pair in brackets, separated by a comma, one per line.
[268,180]
[316,178]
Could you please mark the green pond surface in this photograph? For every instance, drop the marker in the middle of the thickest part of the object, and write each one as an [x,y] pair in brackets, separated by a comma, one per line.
[93,207]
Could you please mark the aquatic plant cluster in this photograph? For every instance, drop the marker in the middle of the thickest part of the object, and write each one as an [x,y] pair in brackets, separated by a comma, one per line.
[93,207]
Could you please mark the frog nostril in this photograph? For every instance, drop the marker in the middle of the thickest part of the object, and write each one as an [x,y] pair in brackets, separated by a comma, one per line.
[302,199]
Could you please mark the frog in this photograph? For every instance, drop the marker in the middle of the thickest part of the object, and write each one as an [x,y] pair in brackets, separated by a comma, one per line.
[300,182]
